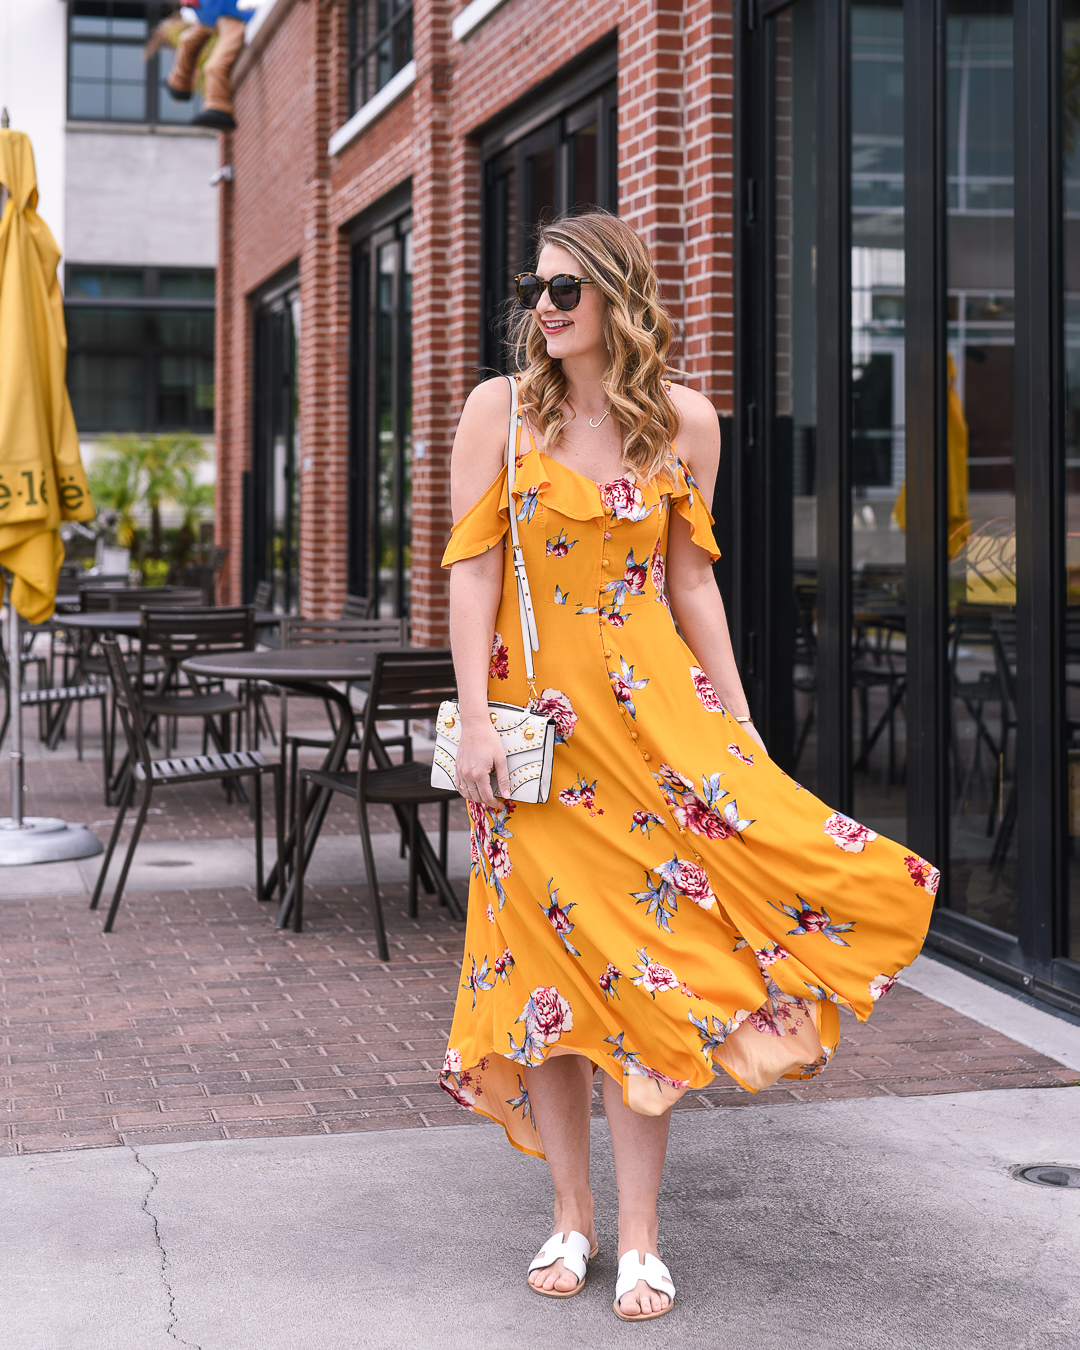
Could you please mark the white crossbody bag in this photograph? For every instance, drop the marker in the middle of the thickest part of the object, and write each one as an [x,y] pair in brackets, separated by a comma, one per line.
[528,737]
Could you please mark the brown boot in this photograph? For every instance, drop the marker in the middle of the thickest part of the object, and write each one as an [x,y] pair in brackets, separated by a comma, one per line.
[181,79]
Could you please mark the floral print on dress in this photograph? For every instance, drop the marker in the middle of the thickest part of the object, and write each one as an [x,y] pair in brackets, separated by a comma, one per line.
[656,574]
[881,984]
[488,850]
[714,1036]
[848,834]
[632,581]
[923,873]
[624,686]
[504,965]
[559,546]
[624,500]
[561,596]
[748,760]
[499,669]
[608,981]
[477,979]
[652,976]
[582,794]
[708,815]
[554,703]
[614,616]
[490,914]
[646,822]
[528,504]
[547,1015]
[559,916]
[521,1102]
[809,920]
[704,690]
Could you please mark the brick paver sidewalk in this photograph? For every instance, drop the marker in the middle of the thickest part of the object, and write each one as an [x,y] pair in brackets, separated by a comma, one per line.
[196,1020]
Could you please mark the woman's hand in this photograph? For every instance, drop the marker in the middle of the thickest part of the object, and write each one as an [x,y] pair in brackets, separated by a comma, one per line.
[480,755]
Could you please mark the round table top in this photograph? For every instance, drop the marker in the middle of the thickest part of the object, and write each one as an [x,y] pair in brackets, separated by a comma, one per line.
[334,661]
[129,621]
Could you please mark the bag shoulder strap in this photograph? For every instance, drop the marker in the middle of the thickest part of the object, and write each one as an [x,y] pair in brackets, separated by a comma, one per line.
[530,640]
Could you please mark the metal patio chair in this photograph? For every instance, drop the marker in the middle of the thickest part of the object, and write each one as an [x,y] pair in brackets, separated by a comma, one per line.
[404,686]
[148,774]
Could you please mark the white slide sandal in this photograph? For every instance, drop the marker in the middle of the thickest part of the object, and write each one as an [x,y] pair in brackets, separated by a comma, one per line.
[655,1274]
[575,1251]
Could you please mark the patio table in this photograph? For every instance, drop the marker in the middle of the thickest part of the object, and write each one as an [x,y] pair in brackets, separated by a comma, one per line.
[314,671]
[126,623]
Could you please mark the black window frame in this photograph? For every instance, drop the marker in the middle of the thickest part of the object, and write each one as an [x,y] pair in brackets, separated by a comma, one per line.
[387,221]
[150,349]
[585,92]
[1035,959]
[153,93]
[366,36]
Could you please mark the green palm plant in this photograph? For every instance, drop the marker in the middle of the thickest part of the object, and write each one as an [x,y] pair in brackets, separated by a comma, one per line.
[195,500]
[115,486]
[165,461]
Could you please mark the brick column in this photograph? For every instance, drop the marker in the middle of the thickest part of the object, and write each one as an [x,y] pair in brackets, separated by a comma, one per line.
[709,280]
[433,411]
[322,449]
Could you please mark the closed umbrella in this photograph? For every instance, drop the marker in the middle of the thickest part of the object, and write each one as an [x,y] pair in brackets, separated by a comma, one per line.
[959,525]
[41,475]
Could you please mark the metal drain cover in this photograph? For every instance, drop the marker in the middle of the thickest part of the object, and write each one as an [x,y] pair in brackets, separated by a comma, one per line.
[1047,1174]
[170,862]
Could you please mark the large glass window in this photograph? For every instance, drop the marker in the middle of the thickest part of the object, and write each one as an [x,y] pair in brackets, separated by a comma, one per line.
[878,508]
[1071,313]
[381,506]
[380,44]
[794,427]
[109,77]
[981,505]
[567,163]
[140,348]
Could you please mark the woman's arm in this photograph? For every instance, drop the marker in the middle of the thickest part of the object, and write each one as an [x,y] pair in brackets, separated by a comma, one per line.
[475,591]
[691,587]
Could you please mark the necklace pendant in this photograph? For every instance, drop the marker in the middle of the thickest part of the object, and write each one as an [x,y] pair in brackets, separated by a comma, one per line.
[593,424]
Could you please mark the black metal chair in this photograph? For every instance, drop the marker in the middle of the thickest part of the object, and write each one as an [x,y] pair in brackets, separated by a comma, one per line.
[54,704]
[171,637]
[148,774]
[297,632]
[358,607]
[404,686]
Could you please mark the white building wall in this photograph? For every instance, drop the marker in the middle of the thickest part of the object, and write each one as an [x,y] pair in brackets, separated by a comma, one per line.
[141,197]
[33,80]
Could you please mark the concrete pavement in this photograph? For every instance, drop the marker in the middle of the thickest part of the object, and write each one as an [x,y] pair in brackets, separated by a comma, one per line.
[866,1223]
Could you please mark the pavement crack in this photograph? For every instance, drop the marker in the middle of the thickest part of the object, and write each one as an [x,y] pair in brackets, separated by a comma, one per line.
[162,1253]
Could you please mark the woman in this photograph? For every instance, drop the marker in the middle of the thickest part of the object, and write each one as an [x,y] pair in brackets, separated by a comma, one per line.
[679,903]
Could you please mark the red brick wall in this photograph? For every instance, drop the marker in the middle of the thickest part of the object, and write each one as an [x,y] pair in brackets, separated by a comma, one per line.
[290,202]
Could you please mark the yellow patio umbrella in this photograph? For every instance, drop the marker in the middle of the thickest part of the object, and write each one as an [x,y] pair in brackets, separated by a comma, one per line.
[41,475]
[956,470]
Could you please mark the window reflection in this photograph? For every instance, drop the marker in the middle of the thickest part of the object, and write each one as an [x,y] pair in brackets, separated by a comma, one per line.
[794,409]
[878,647]
[982,505]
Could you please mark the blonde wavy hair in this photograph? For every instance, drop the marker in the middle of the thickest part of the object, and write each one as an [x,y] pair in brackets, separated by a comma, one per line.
[637,331]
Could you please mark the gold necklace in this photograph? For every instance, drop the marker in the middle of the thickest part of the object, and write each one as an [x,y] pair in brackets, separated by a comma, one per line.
[593,424]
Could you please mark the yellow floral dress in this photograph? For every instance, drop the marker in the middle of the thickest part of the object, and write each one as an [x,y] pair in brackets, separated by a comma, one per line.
[679,903]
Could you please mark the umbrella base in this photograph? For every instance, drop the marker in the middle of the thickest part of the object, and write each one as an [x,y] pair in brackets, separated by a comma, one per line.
[45,839]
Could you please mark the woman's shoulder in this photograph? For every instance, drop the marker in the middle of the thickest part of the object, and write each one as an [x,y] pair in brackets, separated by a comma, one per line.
[694,408]
[490,397]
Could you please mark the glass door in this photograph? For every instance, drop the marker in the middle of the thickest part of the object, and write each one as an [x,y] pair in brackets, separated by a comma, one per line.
[273,529]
